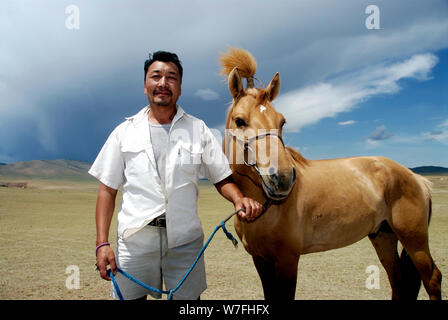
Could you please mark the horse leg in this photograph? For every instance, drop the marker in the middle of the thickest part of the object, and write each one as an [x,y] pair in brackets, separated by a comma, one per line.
[278,277]
[423,265]
[385,244]
[413,235]
[266,271]
[286,276]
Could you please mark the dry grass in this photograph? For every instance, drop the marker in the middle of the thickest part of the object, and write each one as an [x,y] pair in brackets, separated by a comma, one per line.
[45,229]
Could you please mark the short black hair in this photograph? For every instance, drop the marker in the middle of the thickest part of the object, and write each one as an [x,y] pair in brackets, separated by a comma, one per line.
[164,56]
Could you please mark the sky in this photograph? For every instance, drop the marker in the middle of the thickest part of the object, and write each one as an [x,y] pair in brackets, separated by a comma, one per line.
[356,80]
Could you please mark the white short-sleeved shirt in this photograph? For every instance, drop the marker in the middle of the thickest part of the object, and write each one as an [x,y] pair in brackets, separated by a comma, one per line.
[127,160]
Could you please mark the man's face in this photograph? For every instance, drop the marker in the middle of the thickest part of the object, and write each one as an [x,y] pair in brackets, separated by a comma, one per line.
[162,84]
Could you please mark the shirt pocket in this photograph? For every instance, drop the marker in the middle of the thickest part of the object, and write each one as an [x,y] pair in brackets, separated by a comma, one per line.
[190,158]
[136,159]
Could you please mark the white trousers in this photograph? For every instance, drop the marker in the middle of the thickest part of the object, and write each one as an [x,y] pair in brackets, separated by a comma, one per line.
[146,257]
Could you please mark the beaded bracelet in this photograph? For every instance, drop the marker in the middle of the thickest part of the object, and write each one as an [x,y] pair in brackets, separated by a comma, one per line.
[101,245]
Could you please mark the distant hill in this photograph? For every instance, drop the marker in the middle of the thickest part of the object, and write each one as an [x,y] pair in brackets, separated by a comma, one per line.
[60,169]
[430,170]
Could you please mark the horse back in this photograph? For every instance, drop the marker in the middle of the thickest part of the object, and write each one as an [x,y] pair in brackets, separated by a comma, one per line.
[386,178]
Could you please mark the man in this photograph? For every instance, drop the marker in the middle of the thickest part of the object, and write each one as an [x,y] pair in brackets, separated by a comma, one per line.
[157,156]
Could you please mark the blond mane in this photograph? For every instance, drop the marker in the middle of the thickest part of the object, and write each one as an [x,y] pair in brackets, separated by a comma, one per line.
[297,156]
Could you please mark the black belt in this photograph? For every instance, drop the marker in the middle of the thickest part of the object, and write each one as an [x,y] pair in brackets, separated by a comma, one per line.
[158,222]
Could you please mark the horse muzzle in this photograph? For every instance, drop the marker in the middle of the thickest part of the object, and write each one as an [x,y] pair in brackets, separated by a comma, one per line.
[277,186]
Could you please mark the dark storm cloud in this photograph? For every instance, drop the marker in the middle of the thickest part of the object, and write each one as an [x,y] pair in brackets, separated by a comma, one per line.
[63,91]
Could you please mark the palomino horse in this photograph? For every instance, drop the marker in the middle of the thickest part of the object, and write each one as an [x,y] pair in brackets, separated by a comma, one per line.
[313,206]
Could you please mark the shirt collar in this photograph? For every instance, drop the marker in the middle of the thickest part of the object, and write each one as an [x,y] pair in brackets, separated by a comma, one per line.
[143,115]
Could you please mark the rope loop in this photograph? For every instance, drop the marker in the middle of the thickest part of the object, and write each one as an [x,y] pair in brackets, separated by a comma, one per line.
[171,292]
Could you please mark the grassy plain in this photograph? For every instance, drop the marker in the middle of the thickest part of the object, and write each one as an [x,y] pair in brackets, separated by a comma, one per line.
[49,227]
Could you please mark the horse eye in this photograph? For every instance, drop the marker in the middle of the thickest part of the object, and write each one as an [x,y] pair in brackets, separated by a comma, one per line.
[240,122]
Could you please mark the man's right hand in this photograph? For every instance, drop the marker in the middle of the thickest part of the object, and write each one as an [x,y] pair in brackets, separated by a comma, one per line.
[105,206]
[105,257]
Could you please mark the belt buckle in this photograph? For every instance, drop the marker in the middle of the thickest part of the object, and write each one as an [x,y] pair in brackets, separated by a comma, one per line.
[158,222]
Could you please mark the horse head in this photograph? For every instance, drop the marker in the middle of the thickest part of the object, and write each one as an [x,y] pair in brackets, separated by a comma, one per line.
[253,140]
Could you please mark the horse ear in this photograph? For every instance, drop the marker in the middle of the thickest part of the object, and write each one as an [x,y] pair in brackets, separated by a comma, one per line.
[273,88]
[235,83]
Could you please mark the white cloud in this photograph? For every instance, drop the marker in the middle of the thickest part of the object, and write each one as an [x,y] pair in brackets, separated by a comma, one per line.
[207,94]
[440,134]
[346,123]
[379,134]
[308,105]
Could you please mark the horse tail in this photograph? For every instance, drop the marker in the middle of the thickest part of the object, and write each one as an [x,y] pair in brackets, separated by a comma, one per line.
[238,58]
[430,211]
[409,278]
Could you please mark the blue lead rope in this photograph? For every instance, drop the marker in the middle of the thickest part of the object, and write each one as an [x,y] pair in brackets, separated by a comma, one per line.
[172,291]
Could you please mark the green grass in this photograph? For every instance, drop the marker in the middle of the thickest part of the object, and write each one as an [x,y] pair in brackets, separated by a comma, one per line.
[51,226]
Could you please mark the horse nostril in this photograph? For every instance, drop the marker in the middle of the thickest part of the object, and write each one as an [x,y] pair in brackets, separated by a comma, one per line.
[273,175]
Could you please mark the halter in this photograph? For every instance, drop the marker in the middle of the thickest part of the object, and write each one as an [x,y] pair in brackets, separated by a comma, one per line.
[246,147]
